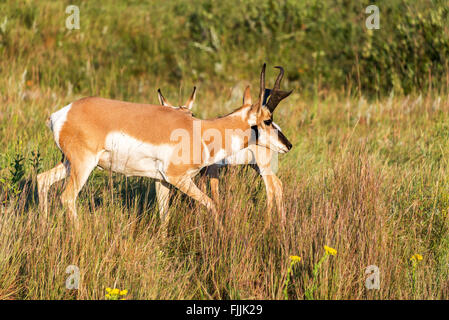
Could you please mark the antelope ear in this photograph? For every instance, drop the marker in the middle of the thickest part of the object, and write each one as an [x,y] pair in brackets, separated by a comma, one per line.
[162,100]
[189,103]
[247,96]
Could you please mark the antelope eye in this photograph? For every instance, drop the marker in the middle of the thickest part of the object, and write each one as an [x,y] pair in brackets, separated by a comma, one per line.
[268,122]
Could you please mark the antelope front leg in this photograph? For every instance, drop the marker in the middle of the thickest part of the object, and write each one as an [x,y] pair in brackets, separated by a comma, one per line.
[279,196]
[187,186]
[270,189]
[273,187]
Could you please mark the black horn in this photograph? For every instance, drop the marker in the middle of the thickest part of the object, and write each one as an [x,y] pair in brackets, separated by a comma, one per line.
[277,84]
[262,85]
[277,95]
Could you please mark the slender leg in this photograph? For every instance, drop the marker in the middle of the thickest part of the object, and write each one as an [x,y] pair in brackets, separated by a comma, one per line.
[273,185]
[212,172]
[274,190]
[263,158]
[162,195]
[269,187]
[187,186]
[80,169]
[45,180]
[279,196]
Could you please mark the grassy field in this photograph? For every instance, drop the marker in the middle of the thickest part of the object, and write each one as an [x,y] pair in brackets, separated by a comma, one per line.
[366,176]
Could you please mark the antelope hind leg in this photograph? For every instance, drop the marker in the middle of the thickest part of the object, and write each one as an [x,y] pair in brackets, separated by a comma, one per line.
[162,196]
[44,182]
[80,169]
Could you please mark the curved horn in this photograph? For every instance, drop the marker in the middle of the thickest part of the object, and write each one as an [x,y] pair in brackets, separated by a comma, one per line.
[276,97]
[277,84]
[262,85]
[276,94]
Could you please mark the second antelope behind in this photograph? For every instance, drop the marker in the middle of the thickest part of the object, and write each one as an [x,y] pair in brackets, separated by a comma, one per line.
[150,141]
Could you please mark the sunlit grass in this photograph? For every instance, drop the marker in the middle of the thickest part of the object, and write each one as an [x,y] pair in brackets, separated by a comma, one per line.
[377,191]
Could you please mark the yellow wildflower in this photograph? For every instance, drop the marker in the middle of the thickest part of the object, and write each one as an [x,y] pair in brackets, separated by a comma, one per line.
[295,259]
[123,292]
[416,257]
[115,294]
[330,251]
[115,291]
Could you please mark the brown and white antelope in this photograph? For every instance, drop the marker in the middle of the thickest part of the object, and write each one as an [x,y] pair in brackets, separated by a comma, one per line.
[254,154]
[151,141]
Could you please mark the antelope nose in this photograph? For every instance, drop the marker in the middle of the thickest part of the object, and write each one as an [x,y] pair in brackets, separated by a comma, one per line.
[289,146]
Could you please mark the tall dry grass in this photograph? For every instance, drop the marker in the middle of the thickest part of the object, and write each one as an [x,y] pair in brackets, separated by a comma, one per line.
[366,178]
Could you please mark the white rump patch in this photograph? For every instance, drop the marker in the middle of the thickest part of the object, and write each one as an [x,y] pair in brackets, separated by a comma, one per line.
[57,121]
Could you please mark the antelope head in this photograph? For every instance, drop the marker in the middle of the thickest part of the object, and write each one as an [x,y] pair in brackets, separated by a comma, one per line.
[267,133]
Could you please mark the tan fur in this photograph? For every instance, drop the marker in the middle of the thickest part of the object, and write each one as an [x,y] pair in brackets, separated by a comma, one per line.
[83,135]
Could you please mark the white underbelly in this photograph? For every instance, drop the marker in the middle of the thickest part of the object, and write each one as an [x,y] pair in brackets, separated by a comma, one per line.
[248,156]
[244,156]
[129,156]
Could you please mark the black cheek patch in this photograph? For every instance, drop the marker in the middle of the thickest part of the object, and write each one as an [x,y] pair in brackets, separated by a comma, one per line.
[254,133]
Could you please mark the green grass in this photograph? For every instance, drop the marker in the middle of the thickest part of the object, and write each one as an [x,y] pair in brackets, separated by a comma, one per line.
[368,177]
[376,190]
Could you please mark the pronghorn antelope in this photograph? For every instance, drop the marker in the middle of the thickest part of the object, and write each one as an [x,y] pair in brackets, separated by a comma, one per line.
[261,156]
[187,107]
[157,142]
